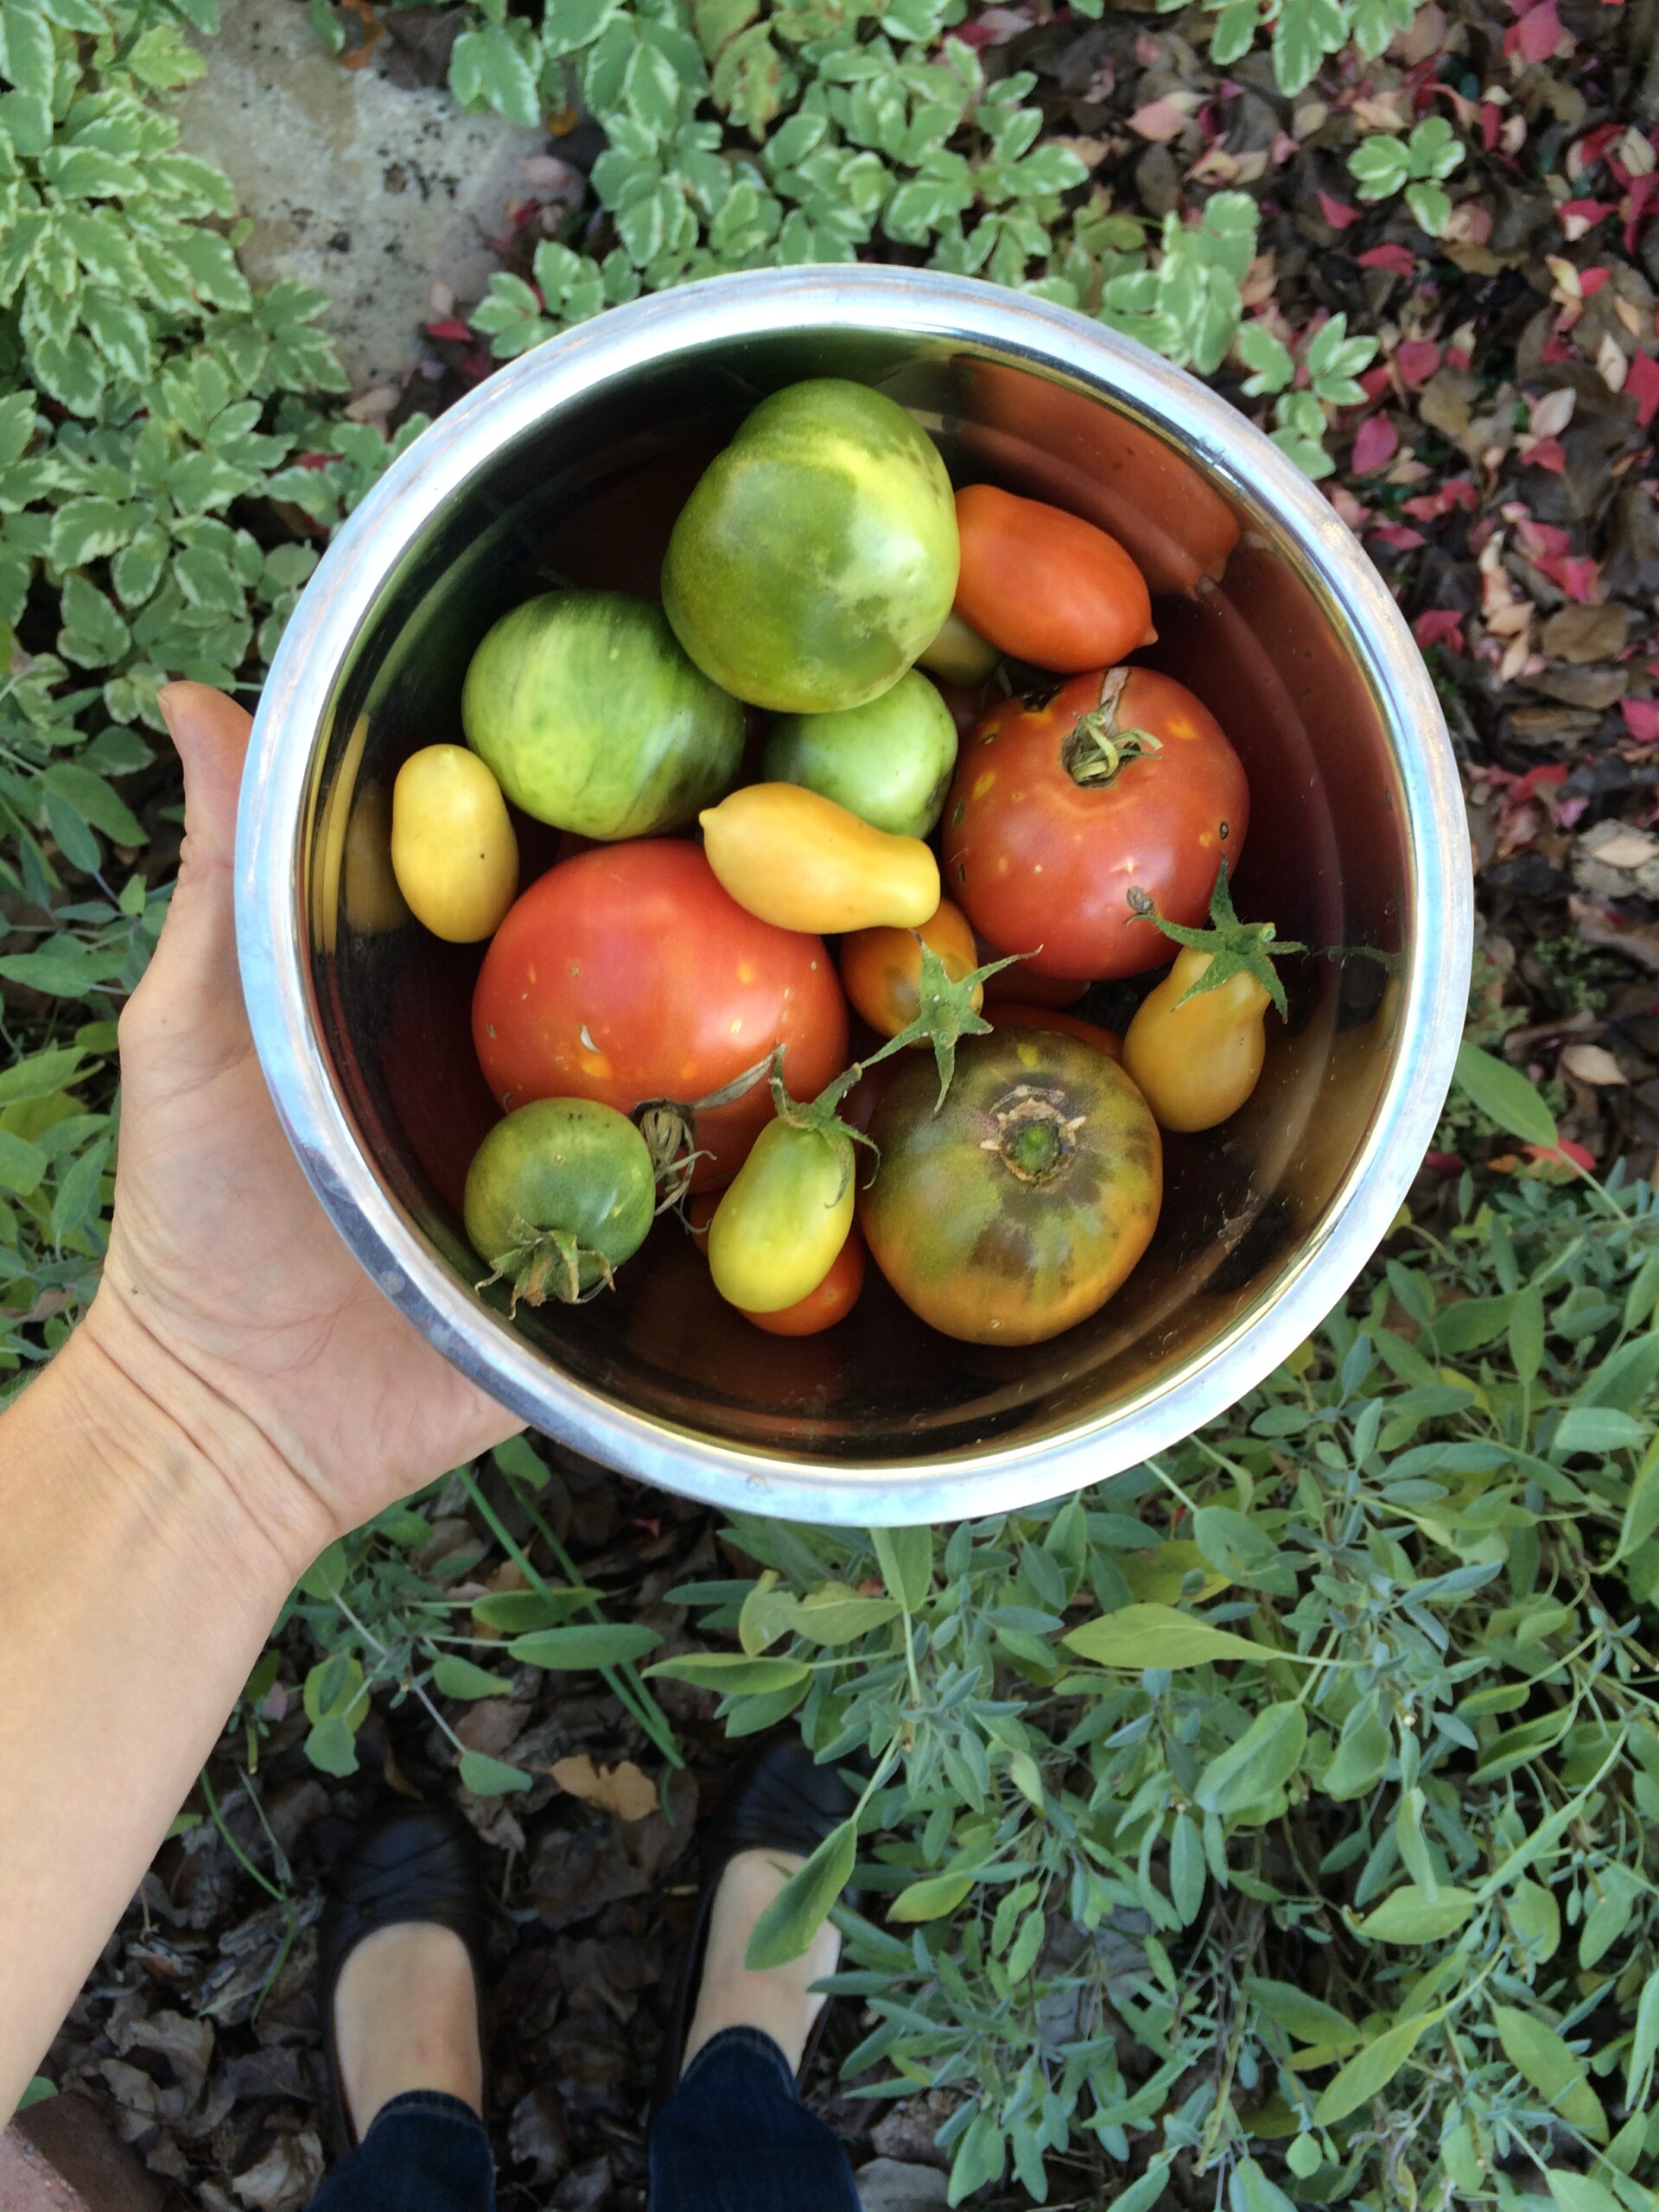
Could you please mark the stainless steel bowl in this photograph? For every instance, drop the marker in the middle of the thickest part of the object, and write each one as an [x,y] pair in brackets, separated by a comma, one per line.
[572,459]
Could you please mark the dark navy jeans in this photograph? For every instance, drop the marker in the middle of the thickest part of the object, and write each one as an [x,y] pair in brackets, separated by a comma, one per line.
[734,2137]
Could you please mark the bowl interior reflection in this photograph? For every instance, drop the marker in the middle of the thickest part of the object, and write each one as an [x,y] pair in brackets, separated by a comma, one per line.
[590,497]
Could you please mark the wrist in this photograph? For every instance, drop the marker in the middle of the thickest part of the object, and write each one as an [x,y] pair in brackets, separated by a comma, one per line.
[152,1429]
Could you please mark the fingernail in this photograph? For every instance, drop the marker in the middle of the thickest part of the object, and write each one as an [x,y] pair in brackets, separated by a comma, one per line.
[166,700]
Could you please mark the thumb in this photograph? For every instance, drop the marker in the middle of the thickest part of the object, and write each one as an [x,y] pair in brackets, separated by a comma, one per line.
[189,1004]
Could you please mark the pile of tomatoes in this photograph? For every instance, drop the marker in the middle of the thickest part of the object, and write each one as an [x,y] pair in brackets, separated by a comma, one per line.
[872,714]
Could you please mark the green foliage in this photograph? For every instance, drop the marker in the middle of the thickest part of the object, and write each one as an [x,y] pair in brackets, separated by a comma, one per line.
[164,484]
[1284,1807]
[1383,165]
[1329,364]
[377,1618]
[740,138]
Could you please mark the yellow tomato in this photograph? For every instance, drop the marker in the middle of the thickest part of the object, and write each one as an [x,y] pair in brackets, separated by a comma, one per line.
[781,1223]
[453,850]
[882,968]
[1195,1065]
[959,654]
[801,862]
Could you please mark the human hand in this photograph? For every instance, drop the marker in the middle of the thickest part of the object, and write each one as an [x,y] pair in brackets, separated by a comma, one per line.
[228,1297]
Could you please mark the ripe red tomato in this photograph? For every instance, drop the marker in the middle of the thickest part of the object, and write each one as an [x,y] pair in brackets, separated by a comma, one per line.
[1020,985]
[1046,586]
[628,974]
[1047,845]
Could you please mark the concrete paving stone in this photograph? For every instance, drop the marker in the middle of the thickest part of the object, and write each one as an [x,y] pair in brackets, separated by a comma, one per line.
[364,188]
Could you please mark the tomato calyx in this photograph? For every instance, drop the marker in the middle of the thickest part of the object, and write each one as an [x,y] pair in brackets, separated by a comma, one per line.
[1095,750]
[544,1263]
[1034,1134]
[1235,947]
[668,1127]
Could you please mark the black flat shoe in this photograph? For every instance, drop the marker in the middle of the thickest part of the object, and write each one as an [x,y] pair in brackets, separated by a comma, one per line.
[412,1862]
[779,1799]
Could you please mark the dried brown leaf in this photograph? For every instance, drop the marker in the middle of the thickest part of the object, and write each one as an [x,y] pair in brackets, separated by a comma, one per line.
[624,1790]
[1592,1063]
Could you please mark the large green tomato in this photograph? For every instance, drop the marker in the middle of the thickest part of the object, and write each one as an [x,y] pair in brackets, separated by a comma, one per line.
[593,720]
[889,762]
[817,554]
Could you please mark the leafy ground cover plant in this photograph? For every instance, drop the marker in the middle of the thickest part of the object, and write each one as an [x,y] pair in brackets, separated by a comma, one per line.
[165,480]
[1273,1819]
[1432,1533]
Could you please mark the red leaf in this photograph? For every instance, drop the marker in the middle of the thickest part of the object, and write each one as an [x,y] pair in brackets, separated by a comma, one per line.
[1556,350]
[1440,626]
[1535,780]
[1568,1154]
[1549,452]
[1541,540]
[1400,535]
[1580,579]
[1593,146]
[1396,259]
[1641,719]
[1491,122]
[1376,443]
[1375,382]
[1417,358]
[1337,213]
[1446,1165]
[1591,282]
[1537,34]
[452,327]
[1578,216]
[1641,383]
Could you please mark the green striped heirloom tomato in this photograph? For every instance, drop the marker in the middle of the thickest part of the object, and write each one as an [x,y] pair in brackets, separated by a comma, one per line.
[593,720]
[817,554]
[1019,1206]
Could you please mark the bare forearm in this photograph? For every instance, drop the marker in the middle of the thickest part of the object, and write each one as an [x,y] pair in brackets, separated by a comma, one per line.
[135,1590]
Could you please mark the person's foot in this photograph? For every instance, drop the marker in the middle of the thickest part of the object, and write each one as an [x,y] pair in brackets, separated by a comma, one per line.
[402,1945]
[779,2000]
[406,2018]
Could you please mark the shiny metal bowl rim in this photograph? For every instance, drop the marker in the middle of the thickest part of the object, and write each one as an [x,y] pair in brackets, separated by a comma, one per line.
[325,630]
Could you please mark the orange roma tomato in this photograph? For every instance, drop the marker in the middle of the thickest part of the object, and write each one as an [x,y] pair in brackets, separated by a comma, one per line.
[1072,811]
[880,968]
[1003,1016]
[1046,586]
[822,1308]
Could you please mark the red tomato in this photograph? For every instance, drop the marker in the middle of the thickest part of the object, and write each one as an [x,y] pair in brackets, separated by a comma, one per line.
[1046,844]
[1046,586]
[628,973]
[822,1307]
[1019,984]
[1002,1016]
